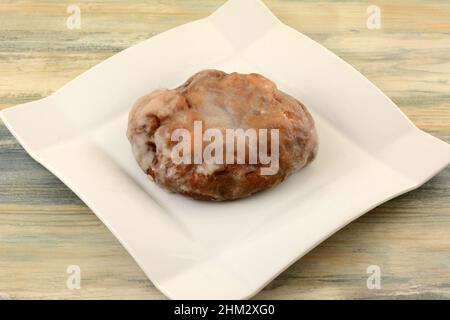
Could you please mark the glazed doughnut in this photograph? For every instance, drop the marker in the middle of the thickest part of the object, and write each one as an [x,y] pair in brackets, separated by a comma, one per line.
[223,102]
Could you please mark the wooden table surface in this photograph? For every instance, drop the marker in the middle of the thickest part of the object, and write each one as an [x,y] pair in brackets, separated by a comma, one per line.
[44,227]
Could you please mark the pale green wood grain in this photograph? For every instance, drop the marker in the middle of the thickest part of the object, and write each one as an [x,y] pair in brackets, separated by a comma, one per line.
[44,227]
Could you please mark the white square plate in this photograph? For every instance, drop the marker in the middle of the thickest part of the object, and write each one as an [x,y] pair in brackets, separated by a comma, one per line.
[369,153]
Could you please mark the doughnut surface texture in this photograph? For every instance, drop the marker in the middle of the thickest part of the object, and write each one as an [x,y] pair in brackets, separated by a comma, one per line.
[220,101]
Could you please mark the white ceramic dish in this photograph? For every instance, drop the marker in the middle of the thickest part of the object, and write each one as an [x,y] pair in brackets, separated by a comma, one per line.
[369,153]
